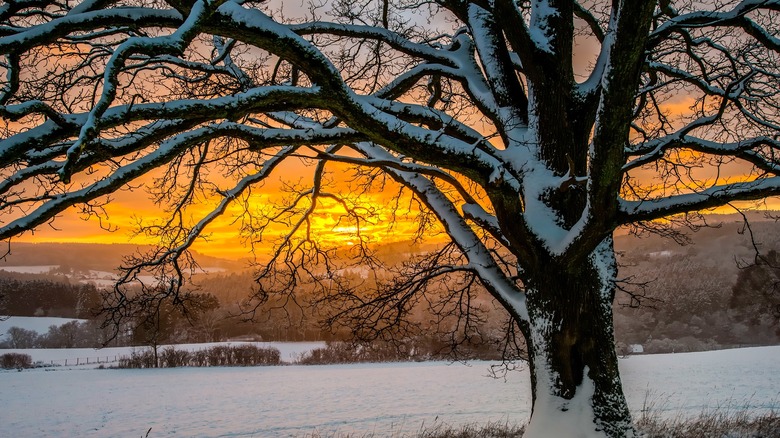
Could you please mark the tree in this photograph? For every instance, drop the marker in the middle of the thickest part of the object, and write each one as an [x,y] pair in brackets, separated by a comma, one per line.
[22,338]
[526,152]
[755,299]
[3,304]
[157,322]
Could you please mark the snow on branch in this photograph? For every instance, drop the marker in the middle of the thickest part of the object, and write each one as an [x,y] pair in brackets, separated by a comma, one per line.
[649,209]
[747,149]
[497,65]
[479,258]
[167,151]
[38,138]
[174,43]
[736,17]
[26,38]
[423,50]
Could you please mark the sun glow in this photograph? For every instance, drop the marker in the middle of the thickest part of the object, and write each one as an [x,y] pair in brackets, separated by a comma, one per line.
[383,219]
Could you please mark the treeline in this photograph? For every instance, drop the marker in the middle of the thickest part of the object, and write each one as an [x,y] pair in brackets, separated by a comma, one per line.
[218,312]
[432,328]
[410,350]
[253,355]
[31,295]
[82,257]
[73,334]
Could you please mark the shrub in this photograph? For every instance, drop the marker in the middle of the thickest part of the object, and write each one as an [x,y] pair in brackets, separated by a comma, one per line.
[172,358]
[137,359]
[218,355]
[15,360]
[412,349]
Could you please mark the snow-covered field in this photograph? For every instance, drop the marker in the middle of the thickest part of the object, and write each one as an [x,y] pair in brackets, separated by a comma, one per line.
[384,399]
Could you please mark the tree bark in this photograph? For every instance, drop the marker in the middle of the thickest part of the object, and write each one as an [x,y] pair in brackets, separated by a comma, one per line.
[574,369]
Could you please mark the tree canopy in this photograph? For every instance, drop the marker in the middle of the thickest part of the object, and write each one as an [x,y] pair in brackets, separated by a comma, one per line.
[527,130]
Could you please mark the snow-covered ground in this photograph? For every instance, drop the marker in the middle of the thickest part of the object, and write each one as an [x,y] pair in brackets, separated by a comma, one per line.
[384,399]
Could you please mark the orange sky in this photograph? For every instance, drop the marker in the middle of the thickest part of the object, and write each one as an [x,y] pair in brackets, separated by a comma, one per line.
[223,239]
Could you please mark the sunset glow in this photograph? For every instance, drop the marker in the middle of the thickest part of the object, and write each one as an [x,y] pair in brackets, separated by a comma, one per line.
[223,238]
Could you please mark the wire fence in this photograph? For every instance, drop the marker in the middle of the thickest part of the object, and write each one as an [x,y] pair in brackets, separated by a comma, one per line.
[77,361]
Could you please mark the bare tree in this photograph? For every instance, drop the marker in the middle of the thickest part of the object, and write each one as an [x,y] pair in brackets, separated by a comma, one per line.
[527,153]
[3,305]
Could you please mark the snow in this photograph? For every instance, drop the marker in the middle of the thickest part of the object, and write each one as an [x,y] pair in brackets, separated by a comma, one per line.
[554,415]
[690,383]
[573,418]
[34,34]
[379,399]
[540,29]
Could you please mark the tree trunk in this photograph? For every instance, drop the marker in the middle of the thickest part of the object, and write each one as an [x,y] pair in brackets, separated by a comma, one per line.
[574,370]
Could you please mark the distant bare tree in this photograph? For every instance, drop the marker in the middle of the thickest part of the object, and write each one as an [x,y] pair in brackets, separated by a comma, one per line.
[524,153]
[22,338]
[758,288]
[3,304]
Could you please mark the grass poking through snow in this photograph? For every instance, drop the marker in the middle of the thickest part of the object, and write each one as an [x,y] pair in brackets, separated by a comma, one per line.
[735,424]
[725,424]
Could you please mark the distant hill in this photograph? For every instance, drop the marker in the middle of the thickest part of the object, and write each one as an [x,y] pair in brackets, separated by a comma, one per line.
[107,257]
[91,256]
[726,242]
[690,302]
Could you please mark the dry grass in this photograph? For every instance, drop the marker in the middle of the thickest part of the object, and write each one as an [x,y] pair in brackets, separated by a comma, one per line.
[723,424]
[491,430]
[441,430]
[738,424]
